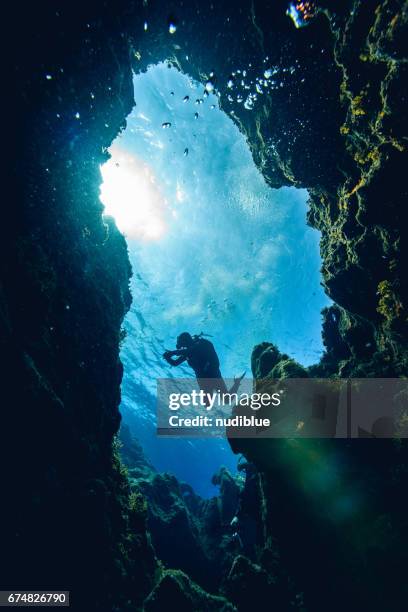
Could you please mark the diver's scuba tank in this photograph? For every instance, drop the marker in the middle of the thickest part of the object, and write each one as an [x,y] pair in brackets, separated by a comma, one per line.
[201,335]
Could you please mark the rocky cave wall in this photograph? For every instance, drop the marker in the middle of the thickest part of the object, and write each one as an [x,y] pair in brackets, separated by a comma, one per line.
[336,127]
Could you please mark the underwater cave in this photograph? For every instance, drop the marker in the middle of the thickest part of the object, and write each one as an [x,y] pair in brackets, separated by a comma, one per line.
[213,250]
[232,170]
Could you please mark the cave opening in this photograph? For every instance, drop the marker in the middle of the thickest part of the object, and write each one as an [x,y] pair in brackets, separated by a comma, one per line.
[329,517]
[213,249]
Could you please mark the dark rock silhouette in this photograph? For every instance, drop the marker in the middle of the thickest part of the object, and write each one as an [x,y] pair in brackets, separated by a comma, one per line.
[325,504]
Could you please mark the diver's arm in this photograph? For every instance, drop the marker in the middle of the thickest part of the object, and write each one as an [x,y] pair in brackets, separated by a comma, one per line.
[169,357]
[175,362]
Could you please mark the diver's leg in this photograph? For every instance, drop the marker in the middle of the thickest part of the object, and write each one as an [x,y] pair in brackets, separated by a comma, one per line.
[205,385]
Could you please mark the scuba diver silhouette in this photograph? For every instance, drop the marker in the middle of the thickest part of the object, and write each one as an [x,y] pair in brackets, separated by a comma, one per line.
[201,356]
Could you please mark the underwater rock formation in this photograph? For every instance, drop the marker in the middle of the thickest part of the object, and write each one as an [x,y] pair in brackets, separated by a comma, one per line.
[188,533]
[333,509]
[363,222]
[337,126]
[215,541]
[266,360]
[68,518]
[176,591]
[247,582]
[337,90]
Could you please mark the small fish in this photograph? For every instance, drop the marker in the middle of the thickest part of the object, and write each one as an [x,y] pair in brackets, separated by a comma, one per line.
[186,98]
[185,152]
[195,115]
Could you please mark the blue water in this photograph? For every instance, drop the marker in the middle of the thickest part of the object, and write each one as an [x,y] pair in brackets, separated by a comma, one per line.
[213,249]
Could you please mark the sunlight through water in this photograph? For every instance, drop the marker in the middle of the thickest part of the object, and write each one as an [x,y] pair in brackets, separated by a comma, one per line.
[130,196]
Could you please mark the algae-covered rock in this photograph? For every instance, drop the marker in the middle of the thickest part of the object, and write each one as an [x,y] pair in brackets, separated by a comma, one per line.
[268,362]
[132,455]
[248,583]
[228,498]
[187,532]
[363,222]
[176,591]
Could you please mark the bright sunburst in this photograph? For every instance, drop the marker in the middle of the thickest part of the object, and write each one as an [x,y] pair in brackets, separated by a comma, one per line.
[130,195]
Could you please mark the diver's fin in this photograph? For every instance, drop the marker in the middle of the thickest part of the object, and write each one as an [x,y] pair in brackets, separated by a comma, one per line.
[237,382]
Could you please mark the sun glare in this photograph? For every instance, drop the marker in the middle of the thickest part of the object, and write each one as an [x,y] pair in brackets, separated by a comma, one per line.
[131,197]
